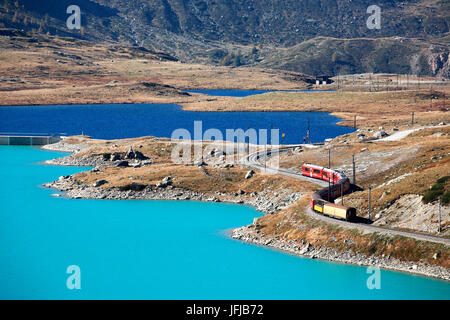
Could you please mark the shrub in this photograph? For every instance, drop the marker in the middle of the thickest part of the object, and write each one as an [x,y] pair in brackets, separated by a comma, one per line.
[437,190]
[431,195]
[446,198]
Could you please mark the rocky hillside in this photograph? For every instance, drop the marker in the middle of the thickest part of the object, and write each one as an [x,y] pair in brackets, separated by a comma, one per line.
[349,56]
[282,33]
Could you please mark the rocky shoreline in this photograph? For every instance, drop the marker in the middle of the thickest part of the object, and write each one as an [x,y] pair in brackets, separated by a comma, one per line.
[263,202]
[250,234]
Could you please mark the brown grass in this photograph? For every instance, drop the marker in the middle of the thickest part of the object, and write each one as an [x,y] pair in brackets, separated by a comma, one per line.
[294,224]
[57,71]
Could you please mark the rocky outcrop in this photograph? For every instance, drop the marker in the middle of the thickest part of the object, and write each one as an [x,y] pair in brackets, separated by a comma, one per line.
[266,202]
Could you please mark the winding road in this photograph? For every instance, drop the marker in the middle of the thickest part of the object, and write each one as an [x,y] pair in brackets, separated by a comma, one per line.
[253,161]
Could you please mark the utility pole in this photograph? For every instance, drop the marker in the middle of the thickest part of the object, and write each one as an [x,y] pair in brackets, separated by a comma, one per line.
[265,157]
[329,187]
[329,158]
[329,175]
[354,122]
[354,169]
[370,190]
[248,140]
[412,118]
[271,138]
[308,133]
[439,214]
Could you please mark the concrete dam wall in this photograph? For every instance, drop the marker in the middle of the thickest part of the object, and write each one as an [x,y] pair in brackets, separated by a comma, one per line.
[28,140]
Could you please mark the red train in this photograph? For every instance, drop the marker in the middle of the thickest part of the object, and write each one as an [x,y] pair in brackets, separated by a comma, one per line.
[322,200]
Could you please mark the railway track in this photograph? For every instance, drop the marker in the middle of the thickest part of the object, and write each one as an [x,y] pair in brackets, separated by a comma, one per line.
[253,161]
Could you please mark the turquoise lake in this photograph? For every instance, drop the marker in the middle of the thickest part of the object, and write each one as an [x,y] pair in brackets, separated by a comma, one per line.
[156,249]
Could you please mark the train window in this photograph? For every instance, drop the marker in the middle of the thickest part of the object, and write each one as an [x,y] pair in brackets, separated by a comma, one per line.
[306,169]
[316,171]
[325,174]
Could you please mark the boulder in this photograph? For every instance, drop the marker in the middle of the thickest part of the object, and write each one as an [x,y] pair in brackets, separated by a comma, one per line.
[139,156]
[167,181]
[121,163]
[133,187]
[130,153]
[249,174]
[306,248]
[99,183]
[200,163]
[380,134]
[115,156]
[298,150]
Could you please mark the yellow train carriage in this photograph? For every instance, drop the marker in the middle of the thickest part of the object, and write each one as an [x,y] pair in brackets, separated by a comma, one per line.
[340,212]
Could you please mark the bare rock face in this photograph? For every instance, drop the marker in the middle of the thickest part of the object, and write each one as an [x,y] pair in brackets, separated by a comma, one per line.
[440,64]
[135,155]
[130,154]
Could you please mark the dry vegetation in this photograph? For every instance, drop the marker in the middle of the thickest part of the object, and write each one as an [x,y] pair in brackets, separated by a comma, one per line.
[206,179]
[393,169]
[372,109]
[52,70]
[62,71]
[294,224]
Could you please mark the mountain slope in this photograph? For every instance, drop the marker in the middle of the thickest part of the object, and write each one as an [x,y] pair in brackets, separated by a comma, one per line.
[249,31]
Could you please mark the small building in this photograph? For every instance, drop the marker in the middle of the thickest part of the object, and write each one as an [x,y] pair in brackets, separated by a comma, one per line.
[322,80]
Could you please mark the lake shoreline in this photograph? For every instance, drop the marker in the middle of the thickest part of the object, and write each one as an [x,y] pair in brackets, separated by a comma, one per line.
[248,233]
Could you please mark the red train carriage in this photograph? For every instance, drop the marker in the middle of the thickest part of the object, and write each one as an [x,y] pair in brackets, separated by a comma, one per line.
[340,185]
[322,173]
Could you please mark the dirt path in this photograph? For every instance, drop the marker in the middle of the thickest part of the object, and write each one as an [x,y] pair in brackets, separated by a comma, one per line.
[403,134]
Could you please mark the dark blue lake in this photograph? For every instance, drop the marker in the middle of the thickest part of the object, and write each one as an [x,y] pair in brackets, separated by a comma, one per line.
[116,121]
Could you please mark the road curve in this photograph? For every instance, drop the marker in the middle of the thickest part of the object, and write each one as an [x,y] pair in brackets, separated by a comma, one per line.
[251,161]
